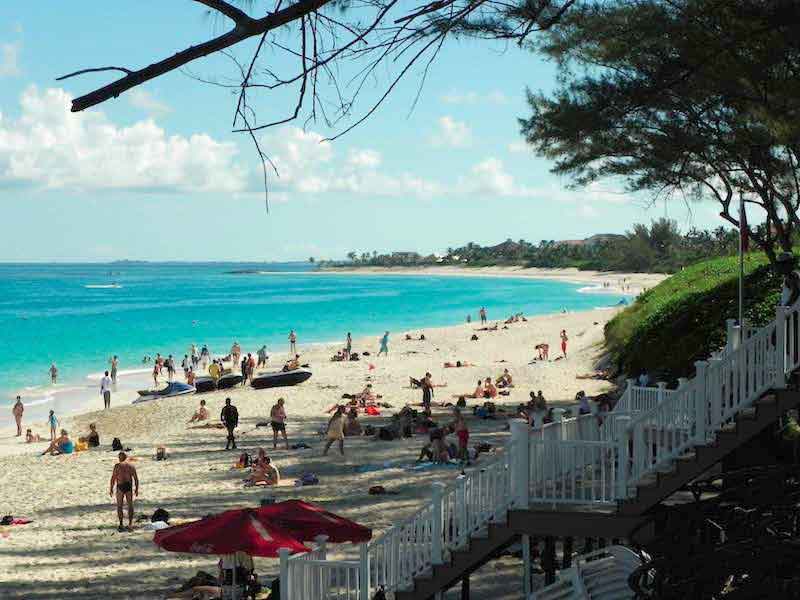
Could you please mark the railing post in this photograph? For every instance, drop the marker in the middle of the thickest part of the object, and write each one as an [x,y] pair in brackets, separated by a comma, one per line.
[623,422]
[283,554]
[436,526]
[322,546]
[700,401]
[363,572]
[731,337]
[461,526]
[520,456]
[780,347]
[627,397]
[662,385]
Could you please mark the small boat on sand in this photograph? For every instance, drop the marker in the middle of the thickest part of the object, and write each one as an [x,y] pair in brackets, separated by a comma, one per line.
[228,381]
[204,384]
[280,378]
[174,388]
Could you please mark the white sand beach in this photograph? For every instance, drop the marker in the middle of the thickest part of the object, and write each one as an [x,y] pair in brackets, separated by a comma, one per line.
[73,550]
[633,283]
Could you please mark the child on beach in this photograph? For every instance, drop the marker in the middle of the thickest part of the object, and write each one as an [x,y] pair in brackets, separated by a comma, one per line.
[53,422]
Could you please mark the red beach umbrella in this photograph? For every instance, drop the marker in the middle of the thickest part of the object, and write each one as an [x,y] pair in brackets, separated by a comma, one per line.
[305,521]
[240,530]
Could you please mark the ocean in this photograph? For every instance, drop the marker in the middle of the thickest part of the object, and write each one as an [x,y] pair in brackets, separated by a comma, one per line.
[79,315]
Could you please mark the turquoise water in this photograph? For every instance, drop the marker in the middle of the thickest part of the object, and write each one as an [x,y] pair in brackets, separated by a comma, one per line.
[48,314]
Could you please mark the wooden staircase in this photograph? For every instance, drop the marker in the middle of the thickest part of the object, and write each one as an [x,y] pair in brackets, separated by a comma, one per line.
[691,465]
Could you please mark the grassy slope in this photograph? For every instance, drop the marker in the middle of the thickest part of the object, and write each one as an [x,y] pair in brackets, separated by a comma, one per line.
[682,319]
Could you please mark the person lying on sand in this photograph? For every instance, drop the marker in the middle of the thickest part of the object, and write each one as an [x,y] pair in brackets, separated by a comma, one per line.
[61,445]
[494,327]
[457,364]
[32,437]
[478,393]
[201,414]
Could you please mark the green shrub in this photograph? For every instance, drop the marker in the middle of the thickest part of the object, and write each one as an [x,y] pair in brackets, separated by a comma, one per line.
[682,320]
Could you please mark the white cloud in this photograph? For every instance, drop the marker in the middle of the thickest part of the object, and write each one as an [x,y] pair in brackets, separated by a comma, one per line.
[51,147]
[489,176]
[519,147]
[145,101]
[366,158]
[452,133]
[9,59]
[495,97]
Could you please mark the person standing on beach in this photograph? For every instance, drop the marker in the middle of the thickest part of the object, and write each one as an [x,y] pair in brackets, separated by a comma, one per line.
[384,345]
[262,356]
[335,431]
[292,343]
[564,340]
[53,422]
[277,417]
[348,344]
[114,365]
[244,367]
[230,418]
[125,477]
[482,313]
[53,373]
[17,411]
[427,393]
[170,368]
[236,353]
[105,390]
[186,365]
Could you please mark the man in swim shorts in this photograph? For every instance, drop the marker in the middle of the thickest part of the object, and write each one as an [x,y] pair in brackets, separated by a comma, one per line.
[125,477]
[277,417]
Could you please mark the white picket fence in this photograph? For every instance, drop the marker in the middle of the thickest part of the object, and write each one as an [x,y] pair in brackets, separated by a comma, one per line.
[591,459]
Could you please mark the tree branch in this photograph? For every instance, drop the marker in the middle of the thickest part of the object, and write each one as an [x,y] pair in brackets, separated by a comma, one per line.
[239,33]
[95,70]
[233,13]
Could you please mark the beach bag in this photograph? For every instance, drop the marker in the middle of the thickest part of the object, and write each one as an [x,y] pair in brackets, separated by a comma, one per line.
[308,479]
[160,514]
[386,434]
[461,402]
[369,430]
[377,490]
[490,407]
[161,453]
[116,444]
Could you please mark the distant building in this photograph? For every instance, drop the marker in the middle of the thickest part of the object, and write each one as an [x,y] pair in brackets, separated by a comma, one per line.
[598,238]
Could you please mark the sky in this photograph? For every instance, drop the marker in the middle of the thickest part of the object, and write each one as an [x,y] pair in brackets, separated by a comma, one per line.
[157,174]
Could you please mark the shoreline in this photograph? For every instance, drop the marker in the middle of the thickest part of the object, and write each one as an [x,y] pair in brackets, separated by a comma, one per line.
[635,282]
[72,396]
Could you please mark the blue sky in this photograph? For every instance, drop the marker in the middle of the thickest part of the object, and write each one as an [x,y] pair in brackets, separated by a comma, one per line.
[156,174]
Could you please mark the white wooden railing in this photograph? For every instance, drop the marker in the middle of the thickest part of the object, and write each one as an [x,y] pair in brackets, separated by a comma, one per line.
[591,459]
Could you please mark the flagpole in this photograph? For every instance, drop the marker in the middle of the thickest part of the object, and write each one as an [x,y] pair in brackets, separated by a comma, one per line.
[742,233]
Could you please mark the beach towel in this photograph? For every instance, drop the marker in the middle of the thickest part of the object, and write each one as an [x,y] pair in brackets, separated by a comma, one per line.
[372,411]
[426,466]
[10,520]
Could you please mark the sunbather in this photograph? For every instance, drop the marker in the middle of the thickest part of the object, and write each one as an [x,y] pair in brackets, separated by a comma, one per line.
[61,445]
[264,472]
[505,380]
[201,414]
[457,364]
[32,437]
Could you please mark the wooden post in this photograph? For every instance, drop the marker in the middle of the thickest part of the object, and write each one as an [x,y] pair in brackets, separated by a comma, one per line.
[566,553]
[283,555]
[363,572]
[780,348]
[437,525]
[526,566]
[549,560]
[520,458]
[465,588]
[700,402]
